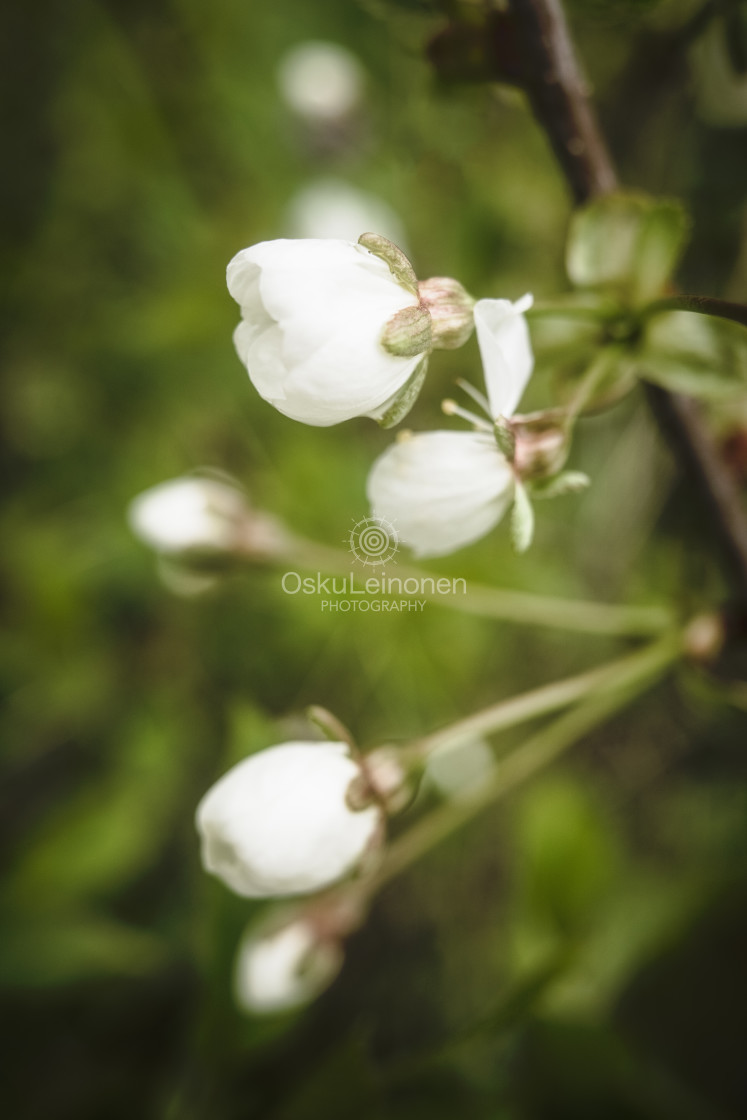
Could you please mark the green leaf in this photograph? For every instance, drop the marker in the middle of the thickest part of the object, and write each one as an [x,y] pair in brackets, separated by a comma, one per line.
[627,244]
[662,237]
[522,519]
[61,948]
[696,354]
[570,853]
[398,407]
[101,839]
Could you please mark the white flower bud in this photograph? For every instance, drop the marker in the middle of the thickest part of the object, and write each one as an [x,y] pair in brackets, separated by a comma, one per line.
[451,310]
[321,81]
[441,490]
[541,444]
[506,351]
[314,313]
[188,514]
[284,968]
[279,823]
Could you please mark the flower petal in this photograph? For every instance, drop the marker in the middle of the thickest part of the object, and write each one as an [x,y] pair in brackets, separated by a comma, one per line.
[441,490]
[506,351]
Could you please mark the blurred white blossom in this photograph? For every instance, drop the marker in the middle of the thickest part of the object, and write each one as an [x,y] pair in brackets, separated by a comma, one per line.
[187,514]
[332,208]
[321,81]
[313,316]
[280,823]
[455,770]
[284,968]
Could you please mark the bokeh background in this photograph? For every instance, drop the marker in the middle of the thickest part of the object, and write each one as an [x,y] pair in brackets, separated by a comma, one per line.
[579,953]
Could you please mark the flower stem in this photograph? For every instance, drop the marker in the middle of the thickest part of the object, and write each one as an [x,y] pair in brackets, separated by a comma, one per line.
[519,709]
[507,605]
[592,378]
[632,675]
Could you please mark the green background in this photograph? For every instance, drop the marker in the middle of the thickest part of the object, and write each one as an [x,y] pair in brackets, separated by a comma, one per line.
[578,953]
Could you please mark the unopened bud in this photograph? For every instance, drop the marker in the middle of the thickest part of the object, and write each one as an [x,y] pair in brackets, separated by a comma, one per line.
[200,521]
[385,779]
[542,444]
[450,307]
[704,637]
[190,514]
[282,968]
[291,956]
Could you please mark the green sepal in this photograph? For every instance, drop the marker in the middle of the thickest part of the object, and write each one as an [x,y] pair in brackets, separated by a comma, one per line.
[567,482]
[329,725]
[392,255]
[626,243]
[408,333]
[522,519]
[505,437]
[401,404]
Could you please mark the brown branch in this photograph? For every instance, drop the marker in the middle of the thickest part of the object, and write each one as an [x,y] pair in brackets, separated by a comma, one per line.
[559,97]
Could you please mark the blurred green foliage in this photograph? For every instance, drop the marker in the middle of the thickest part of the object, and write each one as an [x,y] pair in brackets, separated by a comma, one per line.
[580,953]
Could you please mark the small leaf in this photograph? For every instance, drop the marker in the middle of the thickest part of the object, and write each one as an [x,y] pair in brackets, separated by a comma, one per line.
[626,243]
[399,405]
[59,947]
[408,333]
[661,239]
[696,354]
[567,482]
[392,255]
[522,520]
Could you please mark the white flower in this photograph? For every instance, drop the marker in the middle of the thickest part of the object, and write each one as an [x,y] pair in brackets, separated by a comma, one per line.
[506,351]
[279,822]
[441,490]
[284,968]
[313,316]
[321,81]
[189,513]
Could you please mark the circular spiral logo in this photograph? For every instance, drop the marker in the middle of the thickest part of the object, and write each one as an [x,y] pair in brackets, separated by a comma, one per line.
[373,541]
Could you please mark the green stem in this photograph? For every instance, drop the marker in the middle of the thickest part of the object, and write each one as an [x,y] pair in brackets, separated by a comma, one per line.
[595,313]
[499,603]
[632,675]
[519,709]
[589,383]
[700,305]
